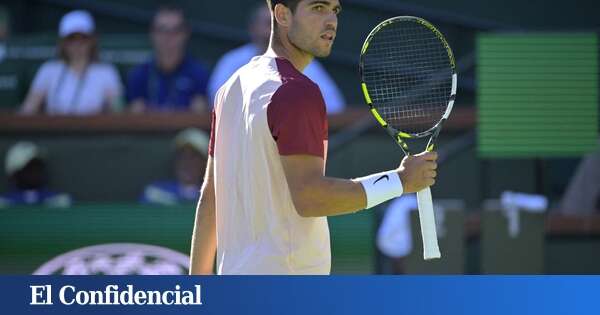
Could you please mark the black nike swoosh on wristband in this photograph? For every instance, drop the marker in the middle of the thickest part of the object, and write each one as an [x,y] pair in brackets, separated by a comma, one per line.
[382,177]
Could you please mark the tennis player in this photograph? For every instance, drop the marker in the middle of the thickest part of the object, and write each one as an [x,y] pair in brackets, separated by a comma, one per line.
[265,198]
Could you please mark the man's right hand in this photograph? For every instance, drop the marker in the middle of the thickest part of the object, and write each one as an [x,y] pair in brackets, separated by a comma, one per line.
[418,172]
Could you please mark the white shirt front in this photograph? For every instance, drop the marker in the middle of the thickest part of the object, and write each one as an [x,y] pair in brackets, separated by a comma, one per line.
[71,93]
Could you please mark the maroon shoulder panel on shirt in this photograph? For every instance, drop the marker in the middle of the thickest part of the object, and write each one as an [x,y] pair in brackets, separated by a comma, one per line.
[296,115]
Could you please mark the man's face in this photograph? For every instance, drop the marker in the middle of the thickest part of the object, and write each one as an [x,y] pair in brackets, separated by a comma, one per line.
[314,26]
[169,33]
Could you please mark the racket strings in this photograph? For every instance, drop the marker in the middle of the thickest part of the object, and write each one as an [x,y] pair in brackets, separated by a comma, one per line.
[408,75]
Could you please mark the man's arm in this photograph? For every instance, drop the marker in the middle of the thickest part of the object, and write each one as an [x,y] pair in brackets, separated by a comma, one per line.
[204,237]
[316,195]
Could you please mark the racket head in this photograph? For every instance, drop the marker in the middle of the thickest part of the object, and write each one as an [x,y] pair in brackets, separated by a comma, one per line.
[408,75]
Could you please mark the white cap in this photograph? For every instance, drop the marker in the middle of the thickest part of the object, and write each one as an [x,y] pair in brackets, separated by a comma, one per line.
[76,22]
[193,137]
[19,155]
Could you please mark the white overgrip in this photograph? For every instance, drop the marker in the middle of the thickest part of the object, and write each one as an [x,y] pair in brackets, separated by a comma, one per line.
[431,248]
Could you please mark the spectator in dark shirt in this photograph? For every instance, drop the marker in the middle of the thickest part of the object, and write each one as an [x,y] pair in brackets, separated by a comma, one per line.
[171,80]
[26,169]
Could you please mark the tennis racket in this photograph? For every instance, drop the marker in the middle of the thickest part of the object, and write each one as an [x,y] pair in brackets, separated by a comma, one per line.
[408,76]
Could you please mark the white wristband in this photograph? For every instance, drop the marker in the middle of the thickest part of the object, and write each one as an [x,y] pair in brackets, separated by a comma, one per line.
[381,187]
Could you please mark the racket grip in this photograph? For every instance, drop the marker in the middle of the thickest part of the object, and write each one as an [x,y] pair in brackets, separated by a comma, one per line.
[431,248]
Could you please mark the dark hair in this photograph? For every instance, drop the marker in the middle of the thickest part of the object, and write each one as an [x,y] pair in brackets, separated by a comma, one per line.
[291,4]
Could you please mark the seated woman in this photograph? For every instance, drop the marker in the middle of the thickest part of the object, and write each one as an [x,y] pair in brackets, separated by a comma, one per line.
[76,83]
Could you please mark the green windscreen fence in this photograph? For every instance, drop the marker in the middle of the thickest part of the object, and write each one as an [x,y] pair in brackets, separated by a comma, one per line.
[537,94]
[32,236]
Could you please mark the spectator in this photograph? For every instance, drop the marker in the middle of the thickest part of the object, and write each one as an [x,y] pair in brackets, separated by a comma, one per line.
[171,80]
[26,169]
[191,147]
[583,193]
[77,83]
[260,31]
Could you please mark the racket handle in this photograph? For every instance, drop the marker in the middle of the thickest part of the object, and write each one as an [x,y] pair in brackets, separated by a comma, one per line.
[431,249]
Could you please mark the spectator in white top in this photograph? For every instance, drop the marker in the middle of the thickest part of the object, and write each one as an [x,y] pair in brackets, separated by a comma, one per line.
[76,83]
[260,30]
